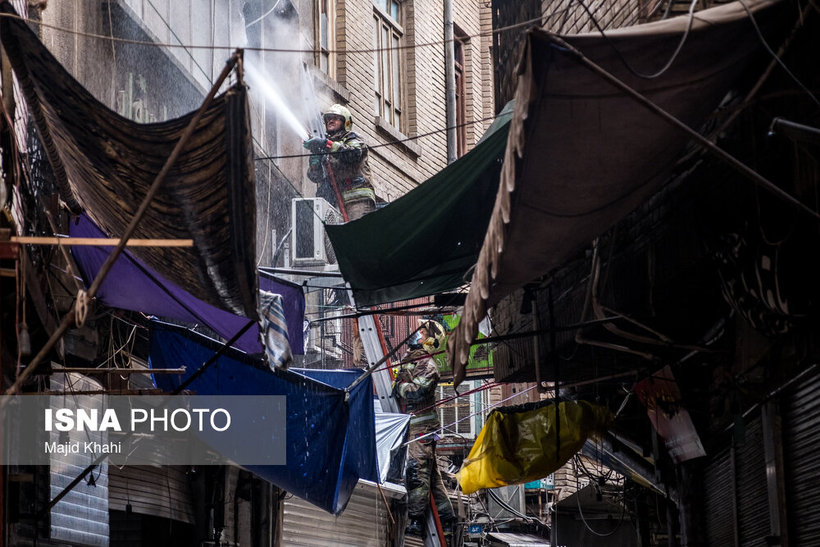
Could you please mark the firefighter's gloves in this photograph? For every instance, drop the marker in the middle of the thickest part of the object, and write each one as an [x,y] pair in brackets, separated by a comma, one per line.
[317,145]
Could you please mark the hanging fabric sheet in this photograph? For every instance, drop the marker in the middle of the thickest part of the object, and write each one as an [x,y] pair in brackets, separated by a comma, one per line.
[331,442]
[581,154]
[104,163]
[274,330]
[527,442]
[133,285]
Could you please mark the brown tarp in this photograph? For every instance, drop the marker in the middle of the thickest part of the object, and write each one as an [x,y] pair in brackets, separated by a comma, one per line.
[581,154]
[104,164]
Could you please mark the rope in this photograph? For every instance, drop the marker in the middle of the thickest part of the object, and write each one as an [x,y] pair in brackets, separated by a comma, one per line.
[81,308]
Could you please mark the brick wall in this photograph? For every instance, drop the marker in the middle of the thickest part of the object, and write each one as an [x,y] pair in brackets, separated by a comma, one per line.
[398,168]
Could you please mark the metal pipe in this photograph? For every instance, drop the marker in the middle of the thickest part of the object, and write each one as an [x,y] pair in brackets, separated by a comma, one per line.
[291,271]
[450,81]
[378,363]
[733,162]
[213,358]
[119,370]
[794,131]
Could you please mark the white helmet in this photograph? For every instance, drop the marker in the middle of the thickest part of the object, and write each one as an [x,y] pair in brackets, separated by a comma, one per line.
[339,110]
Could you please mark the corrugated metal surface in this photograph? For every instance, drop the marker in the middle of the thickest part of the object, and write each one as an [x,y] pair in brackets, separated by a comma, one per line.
[82,515]
[752,495]
[364,523]
[158,491]
[718,499]
[801,435]
[516,540]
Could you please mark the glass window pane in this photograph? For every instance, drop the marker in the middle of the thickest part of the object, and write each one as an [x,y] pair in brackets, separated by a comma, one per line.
[396,75]
[394,10]
[376,62]
[385,40]
[323,30]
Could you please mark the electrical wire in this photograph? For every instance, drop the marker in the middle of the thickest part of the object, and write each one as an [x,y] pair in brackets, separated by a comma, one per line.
[391,143]
[527,23]
[595,532]
[469,416]
[775,56]
[623,60]
[509,508]
[262,16]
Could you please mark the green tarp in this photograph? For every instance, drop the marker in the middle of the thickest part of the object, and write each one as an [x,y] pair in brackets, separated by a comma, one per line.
[427,241]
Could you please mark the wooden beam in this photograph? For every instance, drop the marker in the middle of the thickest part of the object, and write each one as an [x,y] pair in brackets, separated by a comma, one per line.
[118,370]
[101,241]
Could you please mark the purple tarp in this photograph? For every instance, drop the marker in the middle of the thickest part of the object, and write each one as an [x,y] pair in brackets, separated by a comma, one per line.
[131,285]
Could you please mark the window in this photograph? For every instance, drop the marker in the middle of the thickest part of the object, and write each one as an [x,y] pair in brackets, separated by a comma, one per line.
[387,35]
[325,25]
[461,99]
[455,414]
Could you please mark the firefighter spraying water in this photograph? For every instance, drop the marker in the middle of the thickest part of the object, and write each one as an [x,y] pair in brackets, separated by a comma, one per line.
[338,164]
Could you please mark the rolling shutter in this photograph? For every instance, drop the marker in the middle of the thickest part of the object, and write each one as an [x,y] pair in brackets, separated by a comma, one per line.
[363,523]
[752,496]
[801,436]
[157,491]
[718,488]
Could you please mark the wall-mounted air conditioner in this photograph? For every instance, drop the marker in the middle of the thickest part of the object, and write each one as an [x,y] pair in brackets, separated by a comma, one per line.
[308,241]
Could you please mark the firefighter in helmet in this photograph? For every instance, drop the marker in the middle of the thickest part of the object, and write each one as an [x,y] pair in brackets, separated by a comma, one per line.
[340,160]
[415,389]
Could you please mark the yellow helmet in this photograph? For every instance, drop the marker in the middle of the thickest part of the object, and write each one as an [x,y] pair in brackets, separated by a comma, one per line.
[339,110]
[435,335]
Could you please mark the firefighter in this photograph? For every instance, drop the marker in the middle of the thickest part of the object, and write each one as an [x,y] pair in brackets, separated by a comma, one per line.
[340,160]
[415,389]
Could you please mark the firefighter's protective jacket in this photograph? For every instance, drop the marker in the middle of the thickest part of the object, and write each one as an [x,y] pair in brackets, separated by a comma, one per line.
[346,156]
[415,388]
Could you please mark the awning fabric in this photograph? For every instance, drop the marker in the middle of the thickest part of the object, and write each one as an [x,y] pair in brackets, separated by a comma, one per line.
[103,164]
[426,241]
[581,154]
[391,432]
[331,442]
[133,285]
[523,443]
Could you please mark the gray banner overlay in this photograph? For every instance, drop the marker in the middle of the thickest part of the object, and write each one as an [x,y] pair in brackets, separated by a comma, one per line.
[143,430]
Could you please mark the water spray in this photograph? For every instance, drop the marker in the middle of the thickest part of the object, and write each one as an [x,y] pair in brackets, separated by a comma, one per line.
[272,95]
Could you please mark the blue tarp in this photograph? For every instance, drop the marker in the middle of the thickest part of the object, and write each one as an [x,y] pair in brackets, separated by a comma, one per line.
[330,443]
[132,285]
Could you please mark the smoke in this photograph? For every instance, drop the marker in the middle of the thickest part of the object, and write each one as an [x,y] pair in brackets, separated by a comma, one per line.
[284,77]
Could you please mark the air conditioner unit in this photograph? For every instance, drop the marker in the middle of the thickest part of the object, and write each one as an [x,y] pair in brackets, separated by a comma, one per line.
[308,241]
[508,497]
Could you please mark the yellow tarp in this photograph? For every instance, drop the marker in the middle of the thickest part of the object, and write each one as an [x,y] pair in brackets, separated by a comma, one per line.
[519,444]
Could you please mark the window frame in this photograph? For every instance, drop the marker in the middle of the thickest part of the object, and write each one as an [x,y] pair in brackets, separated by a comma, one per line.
[388,61]
[325,52]
[459,52]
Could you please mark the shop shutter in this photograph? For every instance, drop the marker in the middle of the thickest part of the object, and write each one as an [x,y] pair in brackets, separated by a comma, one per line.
[718,491]
[363,523]
[801,436]
[81,517]
[158,491]
[752,495]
